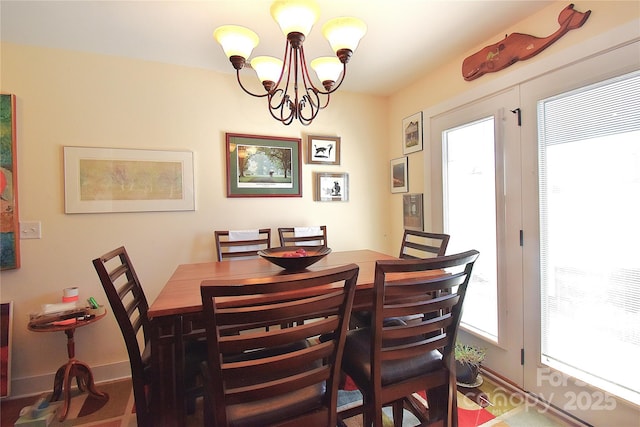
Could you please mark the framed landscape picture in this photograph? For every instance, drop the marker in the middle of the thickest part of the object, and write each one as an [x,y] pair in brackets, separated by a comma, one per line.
[126,180]
[323,150]
[399,175]
[331,187]
[412,133]
[263,166]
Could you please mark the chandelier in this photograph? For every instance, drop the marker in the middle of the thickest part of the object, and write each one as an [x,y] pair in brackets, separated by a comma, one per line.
[290,91]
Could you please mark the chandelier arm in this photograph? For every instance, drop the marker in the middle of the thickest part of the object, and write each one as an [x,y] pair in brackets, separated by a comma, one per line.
[313,106]
[313,94]
[272,95]
[286,97]
[308,82]
[286,59]
[328,98]
[286,119]
[298,103]
[245,89]
[281,106]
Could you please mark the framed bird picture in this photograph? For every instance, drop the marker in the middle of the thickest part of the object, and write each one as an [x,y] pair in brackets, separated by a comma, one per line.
[323,150]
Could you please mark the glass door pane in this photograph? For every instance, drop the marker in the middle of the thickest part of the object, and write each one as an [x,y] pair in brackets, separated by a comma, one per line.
[475,158]
[470,216]
[589,156]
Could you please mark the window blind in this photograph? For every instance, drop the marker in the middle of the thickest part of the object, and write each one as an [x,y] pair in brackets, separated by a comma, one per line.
[589,182]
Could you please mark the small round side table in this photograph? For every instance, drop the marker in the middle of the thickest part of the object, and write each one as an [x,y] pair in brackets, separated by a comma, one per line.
[73,367]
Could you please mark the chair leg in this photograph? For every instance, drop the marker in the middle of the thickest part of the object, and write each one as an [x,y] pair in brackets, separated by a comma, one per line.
[453,407]
[438,399]
[398,409]
[342,381]
[367,412]
[417,408]
[190,405]
[376,412]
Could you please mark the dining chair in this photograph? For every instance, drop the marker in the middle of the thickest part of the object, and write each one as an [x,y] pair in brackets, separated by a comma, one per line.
[422,244]
[258,374]
[311,236]
[415,245]
[241,243]
[129,304]
[392,359]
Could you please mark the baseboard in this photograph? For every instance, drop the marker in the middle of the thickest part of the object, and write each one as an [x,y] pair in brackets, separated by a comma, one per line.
[532,399]
[30,386]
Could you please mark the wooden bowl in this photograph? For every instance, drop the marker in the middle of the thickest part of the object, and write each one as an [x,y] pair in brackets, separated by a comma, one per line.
[282,256]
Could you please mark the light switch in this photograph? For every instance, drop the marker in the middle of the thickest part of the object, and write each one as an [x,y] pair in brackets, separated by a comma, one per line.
[30,230]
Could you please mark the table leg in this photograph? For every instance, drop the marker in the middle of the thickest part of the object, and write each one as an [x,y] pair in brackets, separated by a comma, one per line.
[83,374]
[167,402]
[57,383]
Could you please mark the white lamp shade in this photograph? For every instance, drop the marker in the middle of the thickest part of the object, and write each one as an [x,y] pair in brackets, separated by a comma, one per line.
[236,40]
[344,32]
[327,68]
[295,15]
[267,68]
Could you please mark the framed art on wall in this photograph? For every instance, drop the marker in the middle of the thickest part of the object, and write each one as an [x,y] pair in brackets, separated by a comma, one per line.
[412,133]
[9,225]
[263,166]
[126,180]
[323,150]
[331,187]
[412,212]
[399,175]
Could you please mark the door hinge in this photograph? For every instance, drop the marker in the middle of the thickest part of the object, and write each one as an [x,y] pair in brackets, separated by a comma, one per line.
[519,113]
[521,238]
[522,356]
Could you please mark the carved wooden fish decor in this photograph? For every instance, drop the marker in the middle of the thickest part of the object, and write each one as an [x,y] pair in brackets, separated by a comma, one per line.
[519,47]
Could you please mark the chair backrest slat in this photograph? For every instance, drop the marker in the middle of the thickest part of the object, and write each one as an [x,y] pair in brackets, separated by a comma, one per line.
[288,238]
[229,249]
[421,244]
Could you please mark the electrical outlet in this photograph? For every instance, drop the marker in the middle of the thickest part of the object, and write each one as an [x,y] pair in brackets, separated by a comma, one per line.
[30,230]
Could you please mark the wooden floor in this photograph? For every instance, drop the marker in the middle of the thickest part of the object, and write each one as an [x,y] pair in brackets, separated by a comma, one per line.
[10,410]
[119,411]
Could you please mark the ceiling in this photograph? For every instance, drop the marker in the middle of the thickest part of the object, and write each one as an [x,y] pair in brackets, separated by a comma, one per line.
[405,38]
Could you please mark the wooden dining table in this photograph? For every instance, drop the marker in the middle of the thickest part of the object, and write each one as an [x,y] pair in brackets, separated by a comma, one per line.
[175,317]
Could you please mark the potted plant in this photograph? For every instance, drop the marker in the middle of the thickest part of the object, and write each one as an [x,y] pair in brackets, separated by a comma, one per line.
[468,361]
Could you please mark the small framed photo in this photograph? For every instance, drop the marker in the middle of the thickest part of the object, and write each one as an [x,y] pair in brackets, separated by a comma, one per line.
[400,175]
[412,212]
[331,187]
[412,133]
[323,150]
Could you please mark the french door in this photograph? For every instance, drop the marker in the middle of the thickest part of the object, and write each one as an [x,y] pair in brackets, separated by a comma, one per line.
[581,187]
[552,205]
[476,173]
